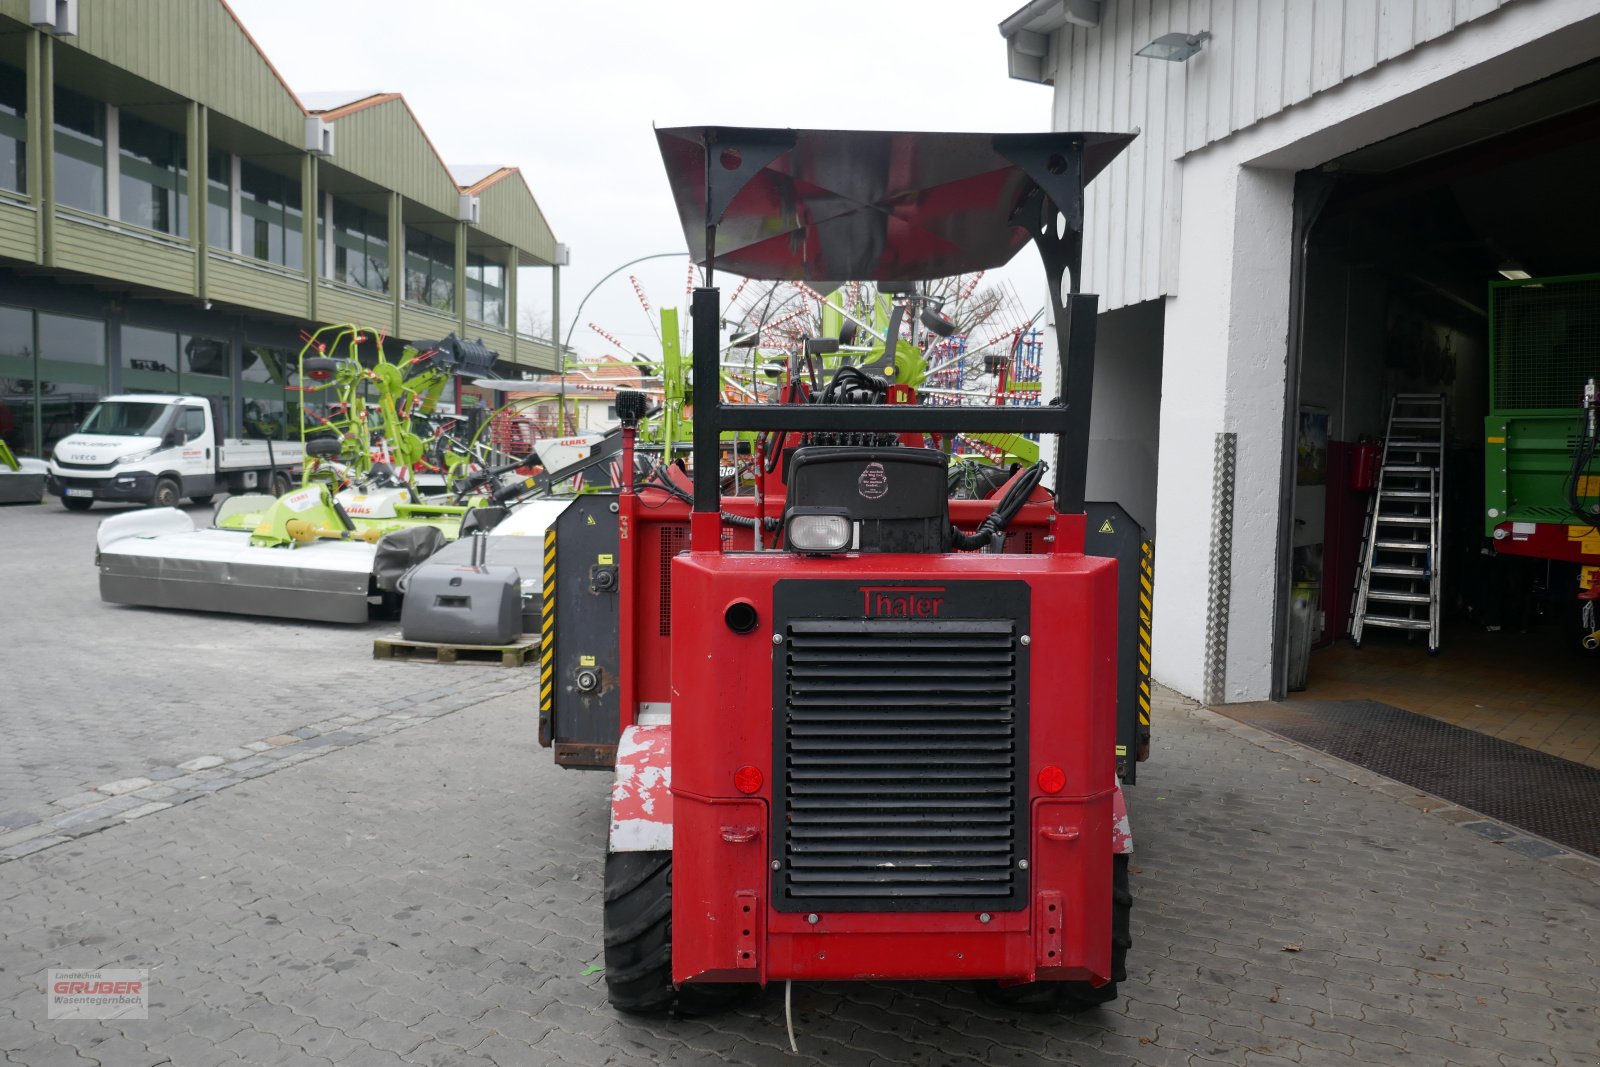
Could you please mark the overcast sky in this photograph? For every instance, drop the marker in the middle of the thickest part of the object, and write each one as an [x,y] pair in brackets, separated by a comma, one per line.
[569,92]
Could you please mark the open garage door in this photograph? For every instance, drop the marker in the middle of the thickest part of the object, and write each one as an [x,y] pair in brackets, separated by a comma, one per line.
[1459,260]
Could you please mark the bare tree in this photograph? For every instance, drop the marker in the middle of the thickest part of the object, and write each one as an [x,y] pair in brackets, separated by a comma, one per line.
[533,322]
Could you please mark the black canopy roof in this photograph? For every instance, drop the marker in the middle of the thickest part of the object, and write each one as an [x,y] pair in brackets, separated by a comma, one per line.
[872,205]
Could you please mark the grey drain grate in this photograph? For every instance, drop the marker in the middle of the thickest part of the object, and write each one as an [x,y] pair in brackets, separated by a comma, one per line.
[1545,795]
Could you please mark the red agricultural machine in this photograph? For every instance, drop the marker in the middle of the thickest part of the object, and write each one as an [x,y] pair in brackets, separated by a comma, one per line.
[861,725]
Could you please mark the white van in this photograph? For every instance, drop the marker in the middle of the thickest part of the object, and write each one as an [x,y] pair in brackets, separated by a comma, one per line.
[151,448]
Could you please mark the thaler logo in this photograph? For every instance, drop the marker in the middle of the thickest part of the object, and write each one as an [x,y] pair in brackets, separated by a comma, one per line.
[902,601]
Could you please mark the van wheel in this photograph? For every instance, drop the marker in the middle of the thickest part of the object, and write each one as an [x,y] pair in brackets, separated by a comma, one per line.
[167,494]
[638,943]
[76,503]
[203,499]
[280,483]
[1065,998]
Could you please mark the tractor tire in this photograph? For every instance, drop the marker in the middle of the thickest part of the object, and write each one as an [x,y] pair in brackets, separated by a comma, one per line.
[1066,998]
[320,367]
[280,484]
[324,447]
[167,494]
[76,503]
[638,943]
[203,499]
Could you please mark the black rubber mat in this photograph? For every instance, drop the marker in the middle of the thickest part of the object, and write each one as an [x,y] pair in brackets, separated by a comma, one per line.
[1555,798]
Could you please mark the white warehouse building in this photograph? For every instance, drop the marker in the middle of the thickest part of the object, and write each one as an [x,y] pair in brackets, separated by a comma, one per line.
[1312,218]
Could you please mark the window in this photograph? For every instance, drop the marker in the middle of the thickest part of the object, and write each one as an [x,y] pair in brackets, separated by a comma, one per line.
[16,380]
[153,176]
[68,339]
[430,270]
[193,424]
[219,200]
[71,373]
[80,152]
[162,361]
[128,418]
[205,369]
[360,247]
[13,130]
[267,415]
[486,290]
[269,205]
[149,360]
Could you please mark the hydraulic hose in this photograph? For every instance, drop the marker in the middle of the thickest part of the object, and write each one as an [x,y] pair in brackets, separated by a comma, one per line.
[852,385]
[995,524]
[1583,455]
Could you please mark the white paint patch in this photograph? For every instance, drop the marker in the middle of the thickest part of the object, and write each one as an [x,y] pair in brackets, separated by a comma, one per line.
[640,835]
[641,791]
[632,742]
[1122,833]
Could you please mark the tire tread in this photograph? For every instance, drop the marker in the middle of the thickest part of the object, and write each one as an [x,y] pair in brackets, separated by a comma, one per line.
[638,943]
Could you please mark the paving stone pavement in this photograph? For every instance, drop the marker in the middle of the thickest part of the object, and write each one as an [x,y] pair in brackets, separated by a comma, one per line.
[93,693]
[432,896]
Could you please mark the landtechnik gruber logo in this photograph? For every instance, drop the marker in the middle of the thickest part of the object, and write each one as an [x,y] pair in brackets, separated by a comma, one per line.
[97,994]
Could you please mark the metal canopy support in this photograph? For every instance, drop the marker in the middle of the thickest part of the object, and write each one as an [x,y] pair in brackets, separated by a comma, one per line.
[1051,213]
[707,312]
[1053,217]
[1075,335]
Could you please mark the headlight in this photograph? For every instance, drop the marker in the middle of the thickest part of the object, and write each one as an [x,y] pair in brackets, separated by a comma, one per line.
[135,457]
[819,530]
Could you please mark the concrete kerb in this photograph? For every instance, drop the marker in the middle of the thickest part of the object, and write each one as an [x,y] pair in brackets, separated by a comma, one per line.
[1531,846]
[91,810]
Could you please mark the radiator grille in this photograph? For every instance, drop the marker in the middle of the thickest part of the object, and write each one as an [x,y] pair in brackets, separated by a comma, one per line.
[900,764]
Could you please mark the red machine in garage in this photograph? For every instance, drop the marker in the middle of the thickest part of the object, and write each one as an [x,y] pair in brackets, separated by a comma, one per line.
[859,729]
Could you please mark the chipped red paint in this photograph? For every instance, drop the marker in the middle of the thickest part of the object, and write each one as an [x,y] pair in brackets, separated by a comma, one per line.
[641,793]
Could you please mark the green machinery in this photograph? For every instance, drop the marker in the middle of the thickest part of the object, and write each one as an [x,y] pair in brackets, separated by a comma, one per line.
[1542,466]
[859,319]
[347,406]
[355,423]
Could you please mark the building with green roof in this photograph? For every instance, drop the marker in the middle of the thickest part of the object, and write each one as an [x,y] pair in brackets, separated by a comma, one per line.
[174,218]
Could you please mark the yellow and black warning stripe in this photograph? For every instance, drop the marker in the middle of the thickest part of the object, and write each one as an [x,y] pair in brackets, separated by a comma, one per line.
[547,630]
[1147,573]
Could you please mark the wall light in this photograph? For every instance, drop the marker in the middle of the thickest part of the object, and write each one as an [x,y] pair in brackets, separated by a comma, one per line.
[1513,273]
[1175,47]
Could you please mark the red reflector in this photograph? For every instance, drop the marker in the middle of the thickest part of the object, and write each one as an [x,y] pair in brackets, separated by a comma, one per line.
[1052,779]
[748,779]
[320,375]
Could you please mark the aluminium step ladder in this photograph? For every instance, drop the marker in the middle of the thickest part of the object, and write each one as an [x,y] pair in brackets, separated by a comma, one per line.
[1398,569]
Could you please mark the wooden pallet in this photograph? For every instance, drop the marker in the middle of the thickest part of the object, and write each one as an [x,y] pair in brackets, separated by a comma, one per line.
[512,655]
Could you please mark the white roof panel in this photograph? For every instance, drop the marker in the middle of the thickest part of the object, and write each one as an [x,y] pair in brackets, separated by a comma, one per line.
[329,99]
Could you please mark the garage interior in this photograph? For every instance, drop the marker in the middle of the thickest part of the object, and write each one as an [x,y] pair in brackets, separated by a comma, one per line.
[1407,239]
